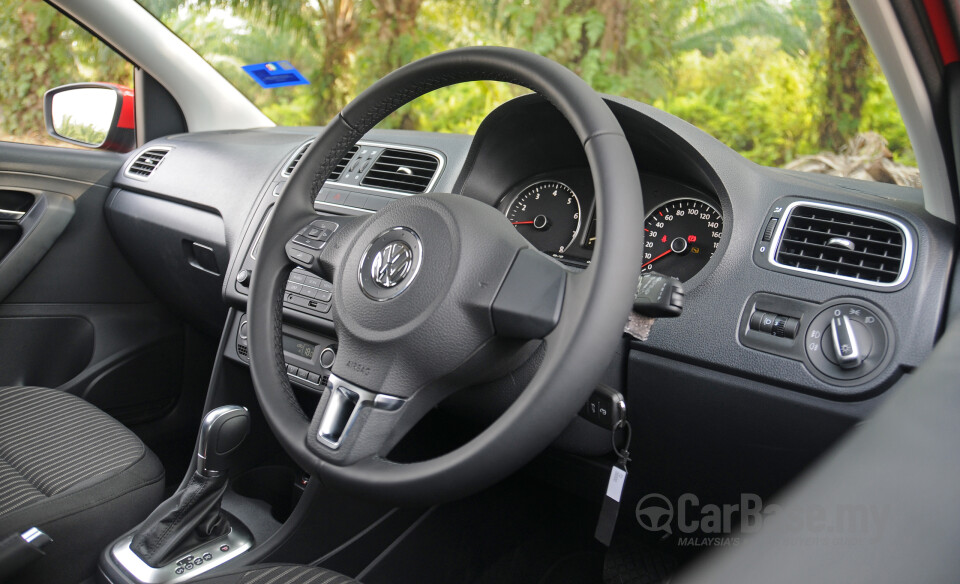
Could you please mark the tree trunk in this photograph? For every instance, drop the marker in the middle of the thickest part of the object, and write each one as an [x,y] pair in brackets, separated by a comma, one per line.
[846,73]
[341,37]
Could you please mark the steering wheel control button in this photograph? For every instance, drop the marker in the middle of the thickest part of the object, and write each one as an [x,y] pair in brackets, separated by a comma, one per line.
[847,341]
[307,293]
[390,264]
[300,256]
[308,242]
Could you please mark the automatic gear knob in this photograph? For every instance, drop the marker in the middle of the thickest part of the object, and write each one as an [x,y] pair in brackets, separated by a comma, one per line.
[221,433]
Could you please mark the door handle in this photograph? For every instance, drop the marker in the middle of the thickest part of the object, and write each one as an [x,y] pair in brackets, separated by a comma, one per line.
[11,216]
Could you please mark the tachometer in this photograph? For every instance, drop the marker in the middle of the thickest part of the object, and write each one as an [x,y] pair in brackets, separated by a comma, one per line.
[681,236]
[547,213]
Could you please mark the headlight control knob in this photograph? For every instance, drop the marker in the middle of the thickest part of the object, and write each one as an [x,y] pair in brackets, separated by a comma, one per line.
[846,341]
[849,342]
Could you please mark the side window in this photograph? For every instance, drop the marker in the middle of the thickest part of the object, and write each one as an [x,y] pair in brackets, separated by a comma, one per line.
[41,49]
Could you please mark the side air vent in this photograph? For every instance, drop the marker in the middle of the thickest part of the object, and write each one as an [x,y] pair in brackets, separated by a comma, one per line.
[402,170]
[295,159]
[147,162]
[843,243]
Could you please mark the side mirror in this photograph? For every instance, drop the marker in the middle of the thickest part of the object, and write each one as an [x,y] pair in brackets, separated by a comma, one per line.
[95,115]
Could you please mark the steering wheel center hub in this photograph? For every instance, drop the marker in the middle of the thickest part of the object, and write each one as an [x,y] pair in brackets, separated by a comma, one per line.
[390,263]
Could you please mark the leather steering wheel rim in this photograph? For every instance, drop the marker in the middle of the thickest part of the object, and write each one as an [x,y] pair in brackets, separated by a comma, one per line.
[595,303]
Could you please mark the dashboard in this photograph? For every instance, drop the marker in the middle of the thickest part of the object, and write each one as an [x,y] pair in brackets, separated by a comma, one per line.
[762,275]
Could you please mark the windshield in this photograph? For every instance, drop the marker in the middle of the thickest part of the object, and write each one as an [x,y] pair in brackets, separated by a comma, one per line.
[787,83]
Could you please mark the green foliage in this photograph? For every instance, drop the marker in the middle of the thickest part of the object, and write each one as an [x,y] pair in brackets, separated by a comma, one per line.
[880,115]
[762,76]
[86,133]
[756,97]
[41,49]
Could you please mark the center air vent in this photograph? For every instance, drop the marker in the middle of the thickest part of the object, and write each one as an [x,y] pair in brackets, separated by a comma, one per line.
[144,164]
[402,170]
[295,160]
[843,243]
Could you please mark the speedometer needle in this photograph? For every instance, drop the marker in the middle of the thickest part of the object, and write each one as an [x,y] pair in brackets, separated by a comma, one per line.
[656,258]
[523,222]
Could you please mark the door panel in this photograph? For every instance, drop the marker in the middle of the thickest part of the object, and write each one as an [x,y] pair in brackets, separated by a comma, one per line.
[74,315]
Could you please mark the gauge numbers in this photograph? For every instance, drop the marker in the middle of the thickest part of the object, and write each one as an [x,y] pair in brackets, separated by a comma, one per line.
[548,214]
[680,237]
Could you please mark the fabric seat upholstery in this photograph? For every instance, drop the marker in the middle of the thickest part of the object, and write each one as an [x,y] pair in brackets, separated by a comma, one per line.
[277,574]
[74,472]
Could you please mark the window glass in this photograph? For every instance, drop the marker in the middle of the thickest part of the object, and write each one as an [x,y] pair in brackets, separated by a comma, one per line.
[40,49]
[784,82]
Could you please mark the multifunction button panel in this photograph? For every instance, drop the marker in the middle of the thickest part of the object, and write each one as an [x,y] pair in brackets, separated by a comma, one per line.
[304,248]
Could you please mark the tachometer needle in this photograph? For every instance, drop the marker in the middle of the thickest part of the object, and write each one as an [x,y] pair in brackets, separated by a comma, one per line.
[523,222]
[656,258]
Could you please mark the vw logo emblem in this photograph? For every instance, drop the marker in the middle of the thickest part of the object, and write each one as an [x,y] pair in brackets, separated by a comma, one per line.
[390,263]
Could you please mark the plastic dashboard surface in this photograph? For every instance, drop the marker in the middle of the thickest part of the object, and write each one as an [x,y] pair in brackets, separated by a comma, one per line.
[236,175]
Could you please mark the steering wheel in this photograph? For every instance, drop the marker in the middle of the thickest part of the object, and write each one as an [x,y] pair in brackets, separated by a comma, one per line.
[437,293]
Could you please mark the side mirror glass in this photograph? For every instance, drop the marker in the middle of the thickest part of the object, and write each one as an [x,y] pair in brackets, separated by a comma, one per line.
[95,115]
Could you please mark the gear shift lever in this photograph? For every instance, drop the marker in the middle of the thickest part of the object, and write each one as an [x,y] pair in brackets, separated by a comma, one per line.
[192,515]
[221,433]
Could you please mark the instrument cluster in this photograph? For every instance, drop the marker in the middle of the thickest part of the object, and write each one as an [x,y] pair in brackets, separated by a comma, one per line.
[557,214]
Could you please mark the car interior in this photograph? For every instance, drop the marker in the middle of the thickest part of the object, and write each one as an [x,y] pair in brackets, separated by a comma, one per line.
[235,352]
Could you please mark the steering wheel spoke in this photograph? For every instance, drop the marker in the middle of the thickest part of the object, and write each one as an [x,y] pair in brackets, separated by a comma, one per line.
[530,299]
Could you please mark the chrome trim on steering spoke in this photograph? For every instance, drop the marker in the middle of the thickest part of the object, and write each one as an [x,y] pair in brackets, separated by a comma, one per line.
[336,419]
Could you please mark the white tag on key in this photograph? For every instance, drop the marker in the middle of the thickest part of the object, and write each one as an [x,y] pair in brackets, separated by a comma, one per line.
[615,484]
[607,521]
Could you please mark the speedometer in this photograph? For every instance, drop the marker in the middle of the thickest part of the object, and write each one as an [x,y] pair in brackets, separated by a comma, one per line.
[680,237]
[547,213]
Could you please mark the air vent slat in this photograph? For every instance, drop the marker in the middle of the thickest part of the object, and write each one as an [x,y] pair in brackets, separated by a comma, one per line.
[337,171]
[342,165]
[397,176]
[798,234]
[825,248]
[146,162]
[402,170]
[844,243]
